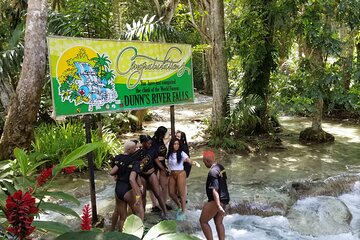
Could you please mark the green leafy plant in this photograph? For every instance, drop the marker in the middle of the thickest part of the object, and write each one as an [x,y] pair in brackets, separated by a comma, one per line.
[133,229]
[21,187]
[56,141]
[111,148]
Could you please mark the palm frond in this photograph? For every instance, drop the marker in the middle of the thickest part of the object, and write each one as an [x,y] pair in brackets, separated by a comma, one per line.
[149,29]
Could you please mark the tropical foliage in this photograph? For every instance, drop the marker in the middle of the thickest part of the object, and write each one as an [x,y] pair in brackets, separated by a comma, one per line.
[56,141]
[134,229]
[24,188]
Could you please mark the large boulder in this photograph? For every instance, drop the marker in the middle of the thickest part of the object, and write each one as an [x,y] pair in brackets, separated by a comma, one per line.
[319,216]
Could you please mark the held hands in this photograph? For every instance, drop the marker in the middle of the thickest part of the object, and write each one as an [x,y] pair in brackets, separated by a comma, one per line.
[195,163]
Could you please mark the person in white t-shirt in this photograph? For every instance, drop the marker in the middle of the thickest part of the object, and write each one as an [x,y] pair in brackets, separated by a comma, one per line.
[177,180]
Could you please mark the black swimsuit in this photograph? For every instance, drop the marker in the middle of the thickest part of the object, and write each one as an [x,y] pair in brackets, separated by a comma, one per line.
[126,165]
[147,162]
[187,165]
[161,149]
[217,180]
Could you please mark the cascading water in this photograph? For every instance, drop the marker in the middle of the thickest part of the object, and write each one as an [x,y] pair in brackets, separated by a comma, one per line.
[303,192]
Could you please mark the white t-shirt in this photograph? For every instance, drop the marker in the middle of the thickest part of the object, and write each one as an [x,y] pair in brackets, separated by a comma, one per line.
[173,164]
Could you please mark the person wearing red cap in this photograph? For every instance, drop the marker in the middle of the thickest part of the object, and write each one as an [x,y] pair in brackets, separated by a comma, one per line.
[218,196]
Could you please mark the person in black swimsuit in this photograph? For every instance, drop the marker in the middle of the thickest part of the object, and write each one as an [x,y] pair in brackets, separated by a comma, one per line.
[218,197]
[162,169]
[127,190]
[148,173]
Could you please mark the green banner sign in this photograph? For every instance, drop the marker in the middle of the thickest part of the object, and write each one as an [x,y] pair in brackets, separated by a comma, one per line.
[92,76]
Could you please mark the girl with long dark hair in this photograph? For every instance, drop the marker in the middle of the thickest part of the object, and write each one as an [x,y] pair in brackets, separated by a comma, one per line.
[177,180]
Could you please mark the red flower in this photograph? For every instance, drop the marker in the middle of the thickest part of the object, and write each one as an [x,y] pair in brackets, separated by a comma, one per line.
[70,169]
[86,218]
[19,211]
[44,175]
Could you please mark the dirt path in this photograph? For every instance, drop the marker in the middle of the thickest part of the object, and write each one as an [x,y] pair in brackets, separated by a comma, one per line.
[189,118]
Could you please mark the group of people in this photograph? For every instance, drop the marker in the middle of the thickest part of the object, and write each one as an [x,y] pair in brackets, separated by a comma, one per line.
[162,168]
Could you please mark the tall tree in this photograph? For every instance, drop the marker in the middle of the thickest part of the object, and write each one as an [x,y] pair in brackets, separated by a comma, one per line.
[24,104]
[318,43]
[219,73]
[214,35]
[260,37]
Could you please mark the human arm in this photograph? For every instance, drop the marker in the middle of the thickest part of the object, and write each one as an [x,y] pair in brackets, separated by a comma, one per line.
[217,200]
[159,164]
[134,185]
[114,170]
[139,183]
[192,162]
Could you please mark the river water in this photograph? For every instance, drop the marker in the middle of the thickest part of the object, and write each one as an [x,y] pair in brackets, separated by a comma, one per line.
[258,182]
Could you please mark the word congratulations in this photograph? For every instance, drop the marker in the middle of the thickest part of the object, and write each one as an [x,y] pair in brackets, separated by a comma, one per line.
[139,63]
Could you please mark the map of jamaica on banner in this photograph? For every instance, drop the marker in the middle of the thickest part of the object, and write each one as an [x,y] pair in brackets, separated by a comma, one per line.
[92,76]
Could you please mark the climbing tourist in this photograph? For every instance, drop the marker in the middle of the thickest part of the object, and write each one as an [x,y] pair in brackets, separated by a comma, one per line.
[177,181]
[148,175]
[127,191]
[162,169]
[218,197]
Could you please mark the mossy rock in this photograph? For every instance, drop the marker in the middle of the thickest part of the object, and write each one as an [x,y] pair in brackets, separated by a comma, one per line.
[315,136]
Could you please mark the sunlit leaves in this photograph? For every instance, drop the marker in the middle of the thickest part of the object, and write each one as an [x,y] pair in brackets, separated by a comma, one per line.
[134,226]
[150,29]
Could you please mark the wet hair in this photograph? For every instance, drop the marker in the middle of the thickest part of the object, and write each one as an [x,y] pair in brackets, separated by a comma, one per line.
[160,133]
[182,136]
[171,149]
[183,142]
[144,138]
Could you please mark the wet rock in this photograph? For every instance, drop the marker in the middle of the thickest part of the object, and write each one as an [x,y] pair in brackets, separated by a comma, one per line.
[318,216]
[310,135]
[332,186]
[263,209]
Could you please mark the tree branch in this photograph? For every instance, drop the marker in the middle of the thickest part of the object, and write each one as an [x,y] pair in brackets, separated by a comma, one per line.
[196,26]
[158,7]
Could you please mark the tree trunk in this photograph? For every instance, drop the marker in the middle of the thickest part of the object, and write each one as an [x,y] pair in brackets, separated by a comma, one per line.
[317,116]
[218,65]
[6,91]
[347,36]
[358,56]
[205,27]
[25,102]
[206,73]
[169,10]
[317,71]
